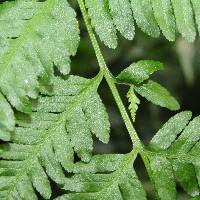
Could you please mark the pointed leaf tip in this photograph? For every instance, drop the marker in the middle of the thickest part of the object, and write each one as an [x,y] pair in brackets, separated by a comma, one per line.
[158,95]
[168,133]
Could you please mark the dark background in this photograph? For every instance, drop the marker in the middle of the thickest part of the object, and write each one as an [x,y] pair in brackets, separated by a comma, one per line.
[181,77]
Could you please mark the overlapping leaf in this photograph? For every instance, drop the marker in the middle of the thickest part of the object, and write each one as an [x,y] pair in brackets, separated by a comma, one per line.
[105,177]
[150,15]
[35,36]
[175,156]
[62,123]
[136,74]
[38,35]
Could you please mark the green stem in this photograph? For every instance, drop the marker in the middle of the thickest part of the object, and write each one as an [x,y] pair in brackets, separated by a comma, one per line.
[109,78]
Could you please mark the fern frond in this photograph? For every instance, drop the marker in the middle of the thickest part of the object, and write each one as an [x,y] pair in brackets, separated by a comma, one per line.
[172,155]
[175,150]
[134,102]
[105,177]
[62,124]
[108,16]
[35,36]
[56,119]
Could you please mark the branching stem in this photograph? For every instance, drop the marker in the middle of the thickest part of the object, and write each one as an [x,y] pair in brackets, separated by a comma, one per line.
[138,146]
[109,78]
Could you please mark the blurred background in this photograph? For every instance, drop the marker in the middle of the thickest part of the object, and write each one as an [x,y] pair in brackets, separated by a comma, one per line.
[181,77]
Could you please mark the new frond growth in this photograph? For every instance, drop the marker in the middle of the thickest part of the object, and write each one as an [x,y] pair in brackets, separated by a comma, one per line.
[134,102]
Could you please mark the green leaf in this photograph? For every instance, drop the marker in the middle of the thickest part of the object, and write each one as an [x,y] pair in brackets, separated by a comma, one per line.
[144,16]
[162,174]
[188,138]
[24,189]
[108,16]
[195,152]
[186,175]
[100,163]
[138,72]
[165,18]
[182,150]
[97,116]
[123,20]
[102,22]
[170,130]
[35,36]
[40,180]
[196,7]
[158,95]
[61,125]
[184,19]
[7,121]
[115,179]
[5,135]
[185,172]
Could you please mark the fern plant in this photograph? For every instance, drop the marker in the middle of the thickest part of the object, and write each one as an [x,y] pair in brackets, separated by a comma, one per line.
[47,120]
